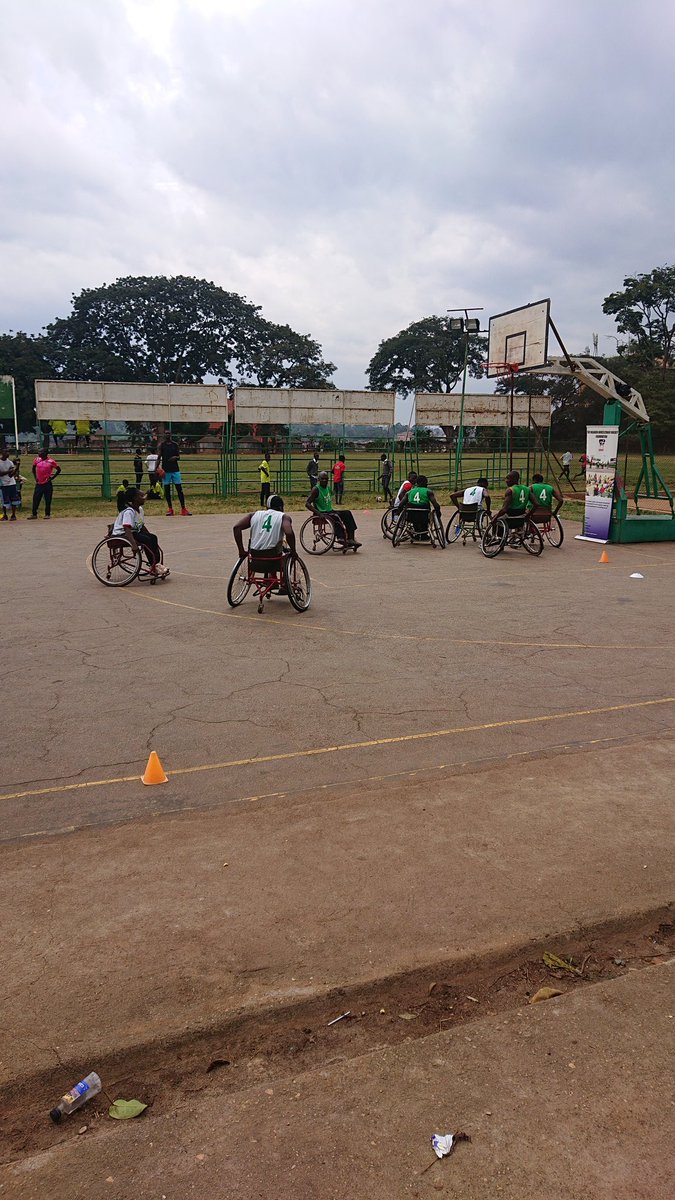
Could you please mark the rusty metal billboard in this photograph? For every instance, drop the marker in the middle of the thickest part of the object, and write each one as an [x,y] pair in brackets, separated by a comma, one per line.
[313,406]
[68,400]
[444,408]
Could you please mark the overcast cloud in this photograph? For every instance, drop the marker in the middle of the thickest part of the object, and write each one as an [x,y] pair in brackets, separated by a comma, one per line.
[349,165]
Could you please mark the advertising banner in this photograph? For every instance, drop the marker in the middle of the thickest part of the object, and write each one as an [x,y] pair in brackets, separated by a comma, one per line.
[602,443]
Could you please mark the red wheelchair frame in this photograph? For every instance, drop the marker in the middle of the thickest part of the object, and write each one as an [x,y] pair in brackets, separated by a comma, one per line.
[267,574]
[116,563]
[320,533]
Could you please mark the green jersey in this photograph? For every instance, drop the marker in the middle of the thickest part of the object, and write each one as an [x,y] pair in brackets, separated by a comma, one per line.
[543,493]
[323,501]
[418,497]
[520,495]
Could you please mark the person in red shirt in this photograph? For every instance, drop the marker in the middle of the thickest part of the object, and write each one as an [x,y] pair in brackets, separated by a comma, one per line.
[44,470]
[339,469]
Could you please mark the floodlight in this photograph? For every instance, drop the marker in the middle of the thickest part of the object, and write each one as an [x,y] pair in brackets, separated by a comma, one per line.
[472,325]
[457,324]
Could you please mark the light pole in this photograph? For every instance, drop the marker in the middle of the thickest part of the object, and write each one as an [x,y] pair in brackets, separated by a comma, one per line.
[466,325]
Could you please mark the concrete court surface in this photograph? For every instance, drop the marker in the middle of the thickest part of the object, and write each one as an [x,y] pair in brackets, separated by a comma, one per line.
[505,771]
[571,1099]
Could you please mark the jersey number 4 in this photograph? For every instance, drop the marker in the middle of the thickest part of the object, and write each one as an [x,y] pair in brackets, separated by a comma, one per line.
[267,523]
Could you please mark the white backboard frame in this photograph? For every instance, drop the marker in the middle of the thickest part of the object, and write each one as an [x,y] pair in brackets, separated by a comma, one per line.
[519,337]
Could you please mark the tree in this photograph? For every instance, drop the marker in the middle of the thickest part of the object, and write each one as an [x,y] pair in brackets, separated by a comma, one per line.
[284,358]
[645,312]
[168,330]
[22,356]
[427,356]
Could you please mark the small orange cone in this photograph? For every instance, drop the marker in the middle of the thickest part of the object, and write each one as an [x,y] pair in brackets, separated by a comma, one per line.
[604,557]
[154,772]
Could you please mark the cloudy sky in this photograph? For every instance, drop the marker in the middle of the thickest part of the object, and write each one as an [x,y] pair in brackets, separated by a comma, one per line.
[349,165]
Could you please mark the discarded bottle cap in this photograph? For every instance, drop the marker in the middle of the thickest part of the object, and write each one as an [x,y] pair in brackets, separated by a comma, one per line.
[56,1115]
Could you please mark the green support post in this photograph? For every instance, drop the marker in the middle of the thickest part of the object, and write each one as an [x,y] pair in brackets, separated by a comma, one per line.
[106,488]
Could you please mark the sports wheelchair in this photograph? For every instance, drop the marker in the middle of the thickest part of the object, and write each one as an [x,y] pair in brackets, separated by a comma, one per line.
[324,531]
[115,562]
[267,574]
[468,521]
[418,525]
[549,526]
[517,532]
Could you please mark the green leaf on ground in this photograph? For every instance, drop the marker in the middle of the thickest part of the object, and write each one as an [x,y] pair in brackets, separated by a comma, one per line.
[124,1110]
[560,964]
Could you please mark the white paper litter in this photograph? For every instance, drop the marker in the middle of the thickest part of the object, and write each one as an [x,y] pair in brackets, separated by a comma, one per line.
[442,1144]
[637,575]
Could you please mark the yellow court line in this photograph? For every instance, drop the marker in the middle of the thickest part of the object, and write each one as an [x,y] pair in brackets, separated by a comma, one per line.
[311,626]
[345,746]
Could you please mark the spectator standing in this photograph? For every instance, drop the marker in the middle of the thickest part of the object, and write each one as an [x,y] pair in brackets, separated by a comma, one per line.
[10,495]
[151,460]
[264,469]
[169,455]
[339,469]
[313,470]
[386,472]
[567,460]
[138,467]
[45,469]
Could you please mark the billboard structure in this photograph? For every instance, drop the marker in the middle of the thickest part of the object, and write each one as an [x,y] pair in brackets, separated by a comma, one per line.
[445,408]
[73,400]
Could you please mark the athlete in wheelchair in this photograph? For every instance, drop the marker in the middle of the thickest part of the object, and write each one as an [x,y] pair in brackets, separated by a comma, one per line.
[270,565]
[420,517]
[513,525]
[129,551]
[473,513]
[327,529]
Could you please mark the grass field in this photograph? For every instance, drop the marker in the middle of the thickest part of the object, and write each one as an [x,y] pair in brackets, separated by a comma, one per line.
[78,488]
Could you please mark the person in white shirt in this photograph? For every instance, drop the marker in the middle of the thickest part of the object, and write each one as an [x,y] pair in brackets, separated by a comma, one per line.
[478,494]
[567,460]
[269,526]
[130,522]
[151,461]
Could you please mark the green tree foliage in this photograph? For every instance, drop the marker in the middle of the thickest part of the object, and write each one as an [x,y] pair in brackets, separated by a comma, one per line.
[23,357]
[284,358]
[426,357]
[573,405]
[172,330]
[645,312]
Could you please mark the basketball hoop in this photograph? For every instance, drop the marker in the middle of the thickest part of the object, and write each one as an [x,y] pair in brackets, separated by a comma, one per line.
[504,368]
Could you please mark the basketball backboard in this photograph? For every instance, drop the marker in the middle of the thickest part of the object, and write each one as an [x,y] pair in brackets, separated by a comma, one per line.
[519,339]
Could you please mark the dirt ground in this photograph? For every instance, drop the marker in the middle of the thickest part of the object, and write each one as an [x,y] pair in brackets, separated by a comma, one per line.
[397,801]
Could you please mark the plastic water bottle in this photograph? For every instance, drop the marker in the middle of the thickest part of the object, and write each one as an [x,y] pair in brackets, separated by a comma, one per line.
[76,1097]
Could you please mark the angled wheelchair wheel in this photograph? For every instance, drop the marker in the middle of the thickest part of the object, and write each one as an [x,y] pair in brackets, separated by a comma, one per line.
[298,583]
[115,562]
[482,522]
[401,532]
[436,532]
[493,540]
[317,535]
[453,529]
[387,523]
[532,539]
[238,583]
[554,532]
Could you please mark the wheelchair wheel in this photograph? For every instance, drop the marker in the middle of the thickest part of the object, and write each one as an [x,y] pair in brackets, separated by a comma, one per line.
[115,564]
[401,531]
[554,533]
[238,583]
[482,522]
[298,583]
[387,523]
[317,535]
[453,529]
[493,540]
[532,539]
[436,533]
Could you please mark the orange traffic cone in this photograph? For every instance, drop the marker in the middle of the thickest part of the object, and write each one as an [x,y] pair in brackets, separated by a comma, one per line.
[604,557]
[154,772]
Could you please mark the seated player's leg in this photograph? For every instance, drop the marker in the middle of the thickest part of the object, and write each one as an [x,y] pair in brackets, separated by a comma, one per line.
[419,518]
